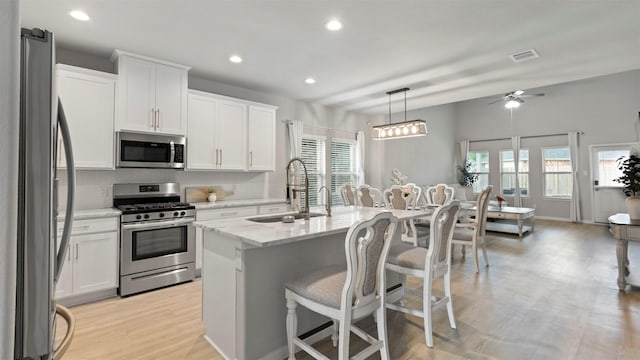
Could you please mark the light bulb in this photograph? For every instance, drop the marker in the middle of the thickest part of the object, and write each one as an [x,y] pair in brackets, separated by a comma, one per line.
[79,15]
[334,25]
[397,131]
[414,129]
[512,104]
[405,130]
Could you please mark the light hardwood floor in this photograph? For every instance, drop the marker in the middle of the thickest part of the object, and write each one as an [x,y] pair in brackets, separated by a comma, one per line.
[551,295]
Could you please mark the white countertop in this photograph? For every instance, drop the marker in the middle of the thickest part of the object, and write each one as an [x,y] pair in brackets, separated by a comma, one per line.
[91,214]
[220,204]
[277,233]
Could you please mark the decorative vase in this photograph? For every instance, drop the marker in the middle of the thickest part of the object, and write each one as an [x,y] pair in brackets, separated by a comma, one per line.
[633,207]
[212,197]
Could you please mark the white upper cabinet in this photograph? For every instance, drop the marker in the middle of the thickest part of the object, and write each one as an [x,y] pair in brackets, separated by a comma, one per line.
[216,137]
[88,99]
[225,133]
[152,94]
[262,138]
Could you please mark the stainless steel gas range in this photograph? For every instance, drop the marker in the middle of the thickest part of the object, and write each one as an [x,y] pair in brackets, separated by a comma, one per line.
[157,237]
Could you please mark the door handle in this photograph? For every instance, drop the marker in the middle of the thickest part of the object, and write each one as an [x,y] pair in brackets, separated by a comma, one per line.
[220,157]
[77,251]
[157,118]
[216,157]
[152,119]
[250,158]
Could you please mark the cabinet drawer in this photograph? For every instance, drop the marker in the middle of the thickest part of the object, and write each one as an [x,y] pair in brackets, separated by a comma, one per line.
[273,209]
[203,215]
[89,226]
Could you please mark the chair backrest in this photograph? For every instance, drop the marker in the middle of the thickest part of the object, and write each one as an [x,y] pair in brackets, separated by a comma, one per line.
[396,197]
[440,194]
[482,205]
[415,190]
[369,196]
[366,248]
[443,222]
[347,193]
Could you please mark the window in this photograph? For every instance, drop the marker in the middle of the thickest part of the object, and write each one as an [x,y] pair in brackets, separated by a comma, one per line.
[479,166]
[608,166]
[558,181]
[313,155]
[343,168]
[508,172]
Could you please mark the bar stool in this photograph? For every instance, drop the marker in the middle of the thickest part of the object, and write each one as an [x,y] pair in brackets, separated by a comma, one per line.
[428,264]
[347,295]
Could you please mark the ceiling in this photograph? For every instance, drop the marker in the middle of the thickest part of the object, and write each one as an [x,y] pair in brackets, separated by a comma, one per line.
[444,51]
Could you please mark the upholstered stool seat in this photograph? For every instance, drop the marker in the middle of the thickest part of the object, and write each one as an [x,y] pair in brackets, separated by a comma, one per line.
[407,256]
[323,286]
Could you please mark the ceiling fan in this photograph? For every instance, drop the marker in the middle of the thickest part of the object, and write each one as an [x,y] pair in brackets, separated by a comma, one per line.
[514,98]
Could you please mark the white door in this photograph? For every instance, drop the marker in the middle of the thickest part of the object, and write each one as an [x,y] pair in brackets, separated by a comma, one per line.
[262,138]
[171,87]
[201,149]
[231,135]
[96,262]
[608,198]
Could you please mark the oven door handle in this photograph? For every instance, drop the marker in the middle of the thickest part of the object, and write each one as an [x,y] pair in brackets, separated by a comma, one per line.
[156,225]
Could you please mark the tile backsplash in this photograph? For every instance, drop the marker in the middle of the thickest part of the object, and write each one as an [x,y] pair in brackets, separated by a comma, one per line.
[94,188]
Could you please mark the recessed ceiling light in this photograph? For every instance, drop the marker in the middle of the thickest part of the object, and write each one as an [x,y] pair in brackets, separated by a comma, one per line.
[310,80]
[334,25]
[79,15]
[235,59]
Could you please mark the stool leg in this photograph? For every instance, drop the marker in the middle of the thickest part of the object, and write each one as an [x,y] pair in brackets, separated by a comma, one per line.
[292,325]
[334,336]
[382,331]
[426,308]
[447,293]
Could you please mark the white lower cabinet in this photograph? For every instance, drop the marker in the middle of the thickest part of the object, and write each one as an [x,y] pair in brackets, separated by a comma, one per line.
[91,264]
[216,214]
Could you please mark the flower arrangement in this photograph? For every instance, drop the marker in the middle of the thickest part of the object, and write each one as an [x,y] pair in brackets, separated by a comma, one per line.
[211,190]
[500,199]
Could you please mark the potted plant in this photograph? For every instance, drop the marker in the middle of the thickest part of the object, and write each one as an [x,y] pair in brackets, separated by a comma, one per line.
[212,194]
[465,178]
[630,180]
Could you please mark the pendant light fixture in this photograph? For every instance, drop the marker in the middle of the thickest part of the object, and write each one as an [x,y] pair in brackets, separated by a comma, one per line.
[403,129]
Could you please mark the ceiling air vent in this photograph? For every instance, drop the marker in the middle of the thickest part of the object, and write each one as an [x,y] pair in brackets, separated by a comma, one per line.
[524,55]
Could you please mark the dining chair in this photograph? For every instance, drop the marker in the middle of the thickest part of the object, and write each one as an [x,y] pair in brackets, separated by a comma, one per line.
[347,295]
[397,197]
[440,194]
[347,193]
[429,264]
[416,190]
[369,196]
[473,232]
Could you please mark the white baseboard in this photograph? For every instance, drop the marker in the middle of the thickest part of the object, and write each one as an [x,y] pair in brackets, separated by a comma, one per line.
[206,338]
[75,300]
[552,218]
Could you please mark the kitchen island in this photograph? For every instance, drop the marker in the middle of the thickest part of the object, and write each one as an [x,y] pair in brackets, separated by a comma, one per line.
[245,267]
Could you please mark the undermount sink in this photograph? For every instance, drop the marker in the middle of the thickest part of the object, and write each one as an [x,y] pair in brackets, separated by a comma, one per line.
[279,218]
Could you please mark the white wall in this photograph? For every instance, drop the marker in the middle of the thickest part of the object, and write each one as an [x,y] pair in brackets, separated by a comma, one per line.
[426,160]
[9,100]
[604,108]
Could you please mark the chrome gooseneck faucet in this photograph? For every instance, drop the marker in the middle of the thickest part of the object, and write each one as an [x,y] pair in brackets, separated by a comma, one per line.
[327,205]
[293,189]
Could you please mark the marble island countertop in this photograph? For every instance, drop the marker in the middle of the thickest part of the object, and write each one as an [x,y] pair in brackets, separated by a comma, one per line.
[277,233]
[236,203]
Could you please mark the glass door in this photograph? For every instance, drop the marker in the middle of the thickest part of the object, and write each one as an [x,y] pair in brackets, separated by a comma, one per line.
[607,195]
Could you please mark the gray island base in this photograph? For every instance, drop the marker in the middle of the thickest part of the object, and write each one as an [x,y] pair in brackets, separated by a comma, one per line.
[245,267]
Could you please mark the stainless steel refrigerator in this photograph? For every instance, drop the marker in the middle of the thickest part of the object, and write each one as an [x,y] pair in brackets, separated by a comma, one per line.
[39,261]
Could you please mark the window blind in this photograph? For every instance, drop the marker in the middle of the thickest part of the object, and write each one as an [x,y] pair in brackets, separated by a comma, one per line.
[343,166]
[313,155]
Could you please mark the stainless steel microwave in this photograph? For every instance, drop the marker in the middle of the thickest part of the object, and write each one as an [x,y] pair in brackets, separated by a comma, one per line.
[137,150]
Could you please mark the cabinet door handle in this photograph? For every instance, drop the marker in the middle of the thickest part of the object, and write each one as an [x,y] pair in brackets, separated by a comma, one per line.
[77,251]
[157,118]
[220,157]
[216,157]
[152,119]
[250,158]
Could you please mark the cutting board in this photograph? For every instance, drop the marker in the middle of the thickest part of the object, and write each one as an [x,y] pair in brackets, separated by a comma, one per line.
[200,193]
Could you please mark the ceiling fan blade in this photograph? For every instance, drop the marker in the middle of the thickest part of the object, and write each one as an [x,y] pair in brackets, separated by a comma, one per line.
[531,95]
[493,102]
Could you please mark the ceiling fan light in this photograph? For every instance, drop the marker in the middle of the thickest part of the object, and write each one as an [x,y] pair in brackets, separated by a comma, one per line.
[518,92]
[512,104]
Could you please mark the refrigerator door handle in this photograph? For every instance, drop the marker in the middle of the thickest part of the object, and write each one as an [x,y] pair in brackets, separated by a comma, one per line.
[71,191]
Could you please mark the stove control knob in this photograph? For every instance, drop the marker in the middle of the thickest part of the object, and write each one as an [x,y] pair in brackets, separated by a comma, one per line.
[161,214]
[182,213]
[138,217]
[176,213]
[146,216]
